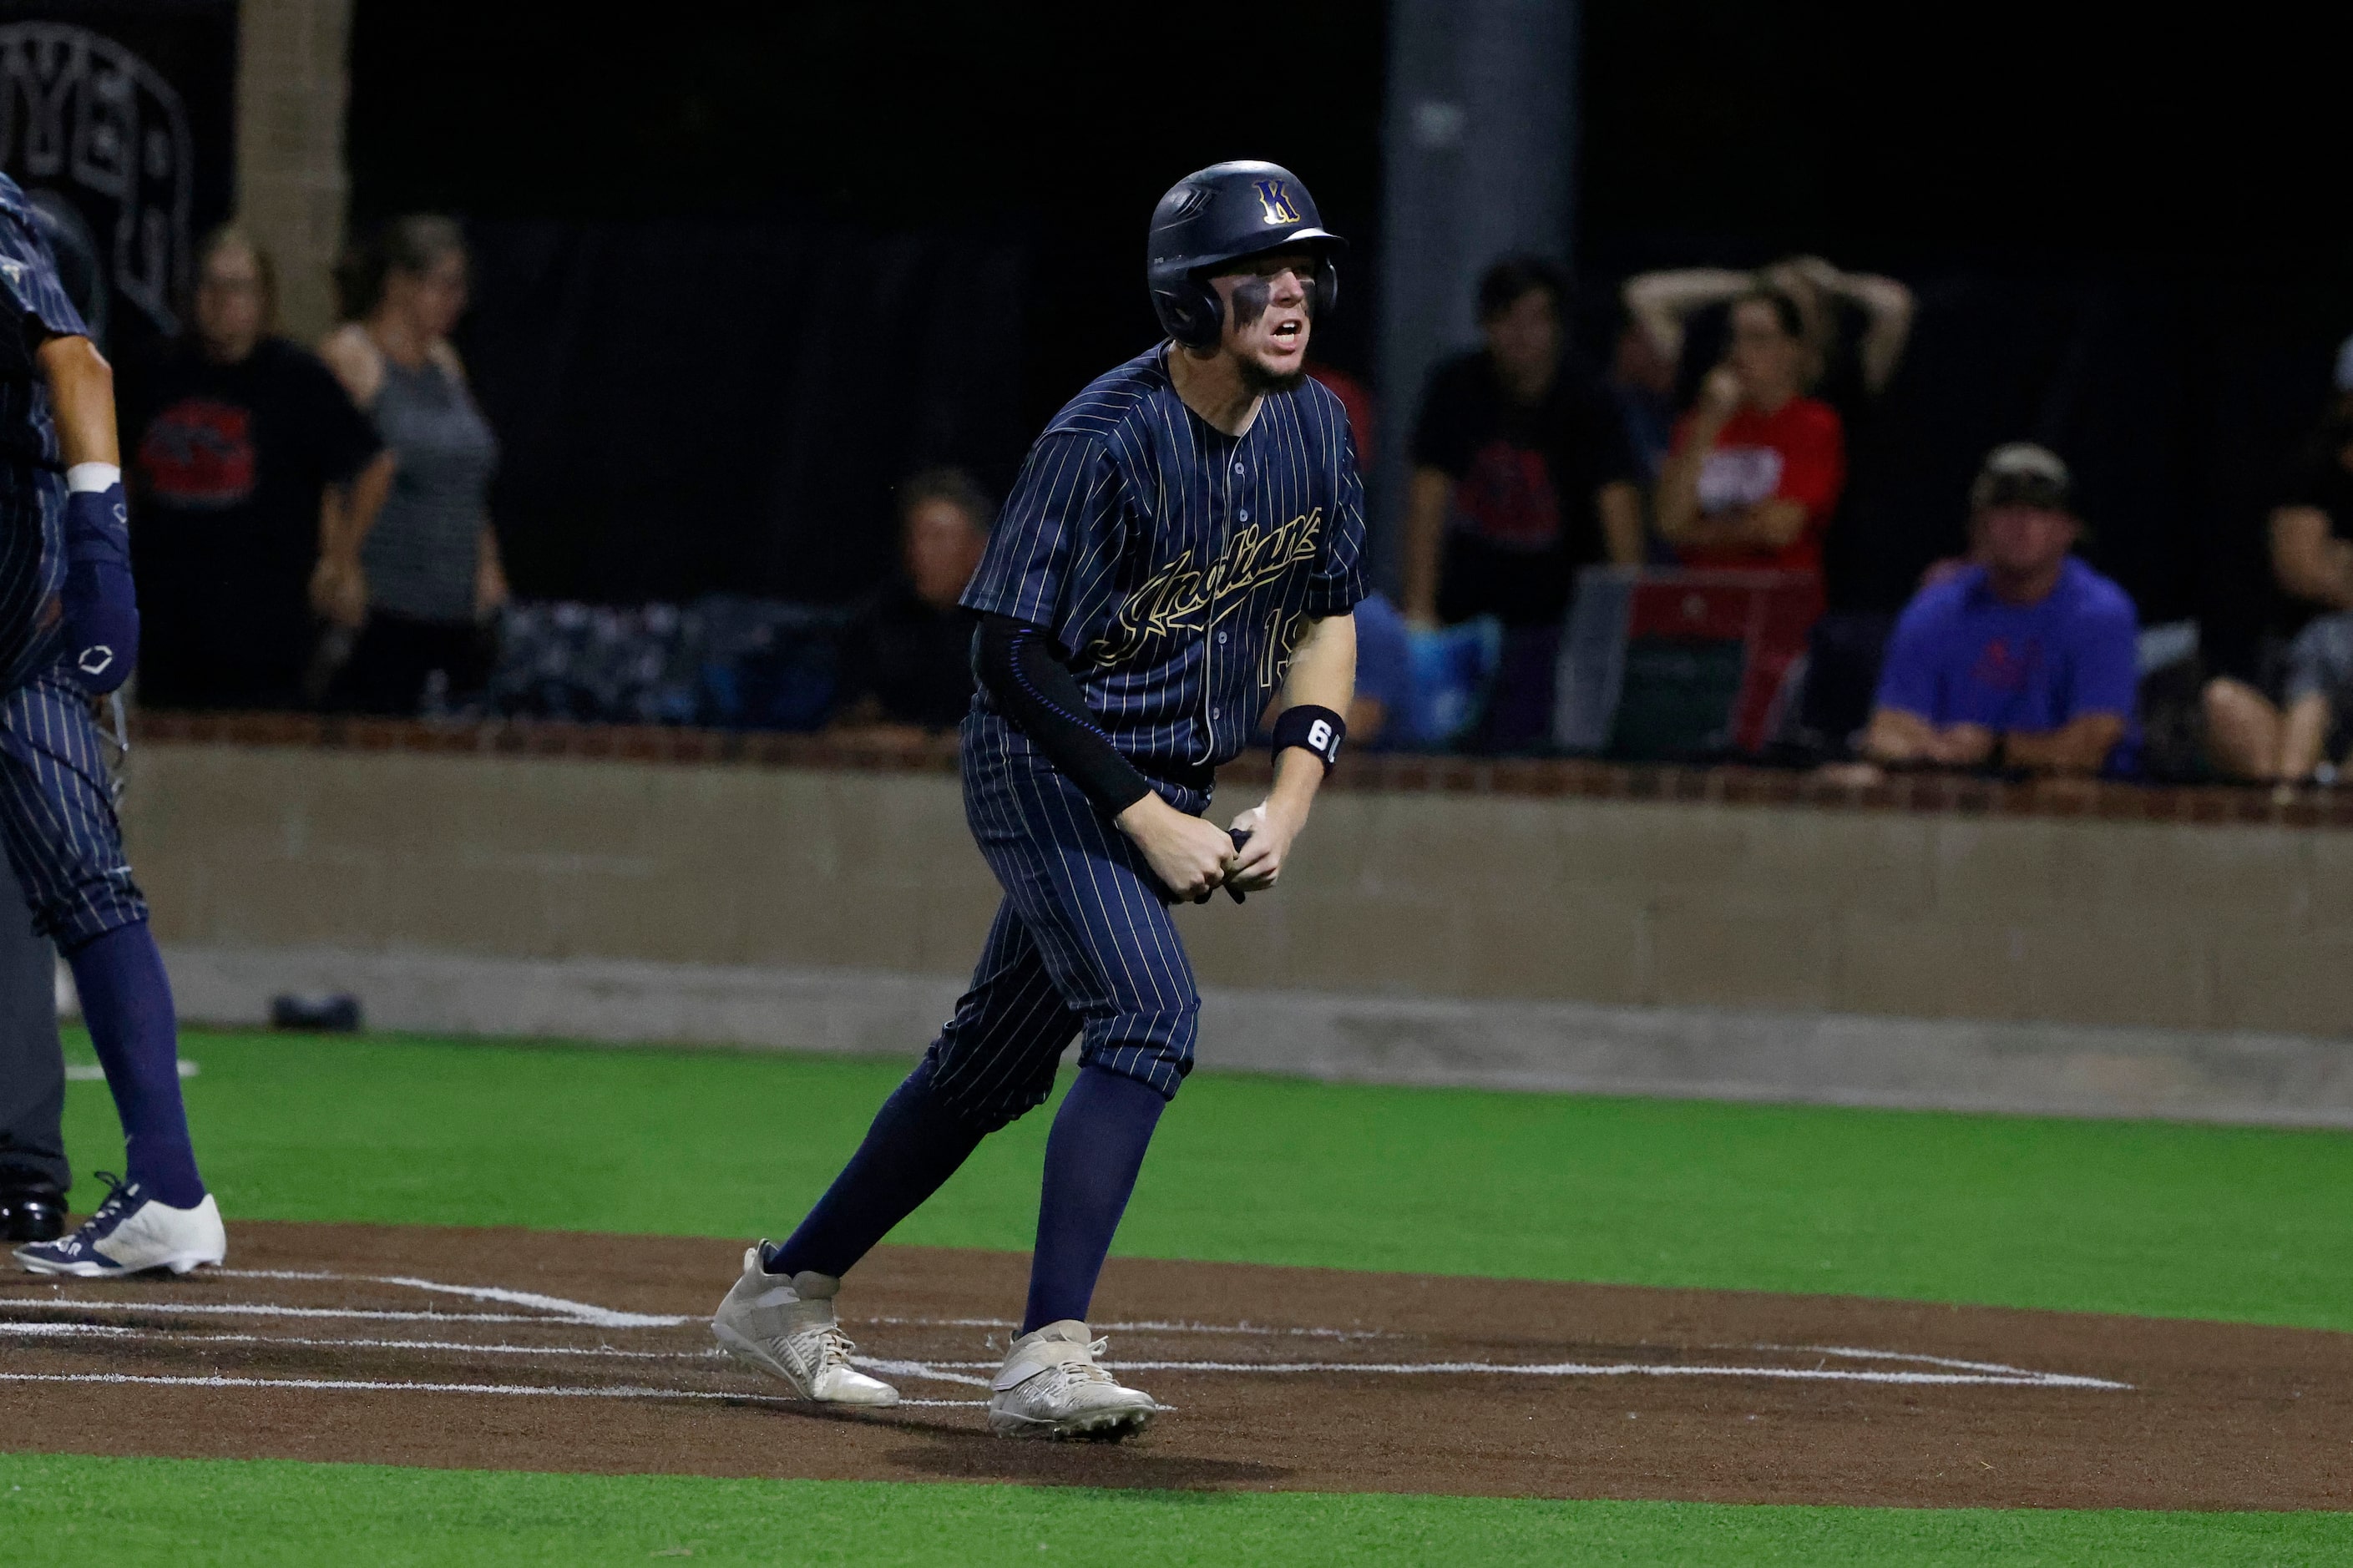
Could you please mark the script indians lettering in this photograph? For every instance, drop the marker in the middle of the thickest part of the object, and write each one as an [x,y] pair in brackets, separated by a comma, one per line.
[1181,597]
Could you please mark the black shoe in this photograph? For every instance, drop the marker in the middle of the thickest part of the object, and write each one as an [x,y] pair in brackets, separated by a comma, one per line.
[30,1209]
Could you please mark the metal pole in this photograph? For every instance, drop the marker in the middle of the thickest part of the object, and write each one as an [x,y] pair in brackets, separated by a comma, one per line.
[1479,146]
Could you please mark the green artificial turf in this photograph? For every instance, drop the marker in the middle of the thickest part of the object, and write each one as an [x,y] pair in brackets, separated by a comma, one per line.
[2143,1217]
[70,1510]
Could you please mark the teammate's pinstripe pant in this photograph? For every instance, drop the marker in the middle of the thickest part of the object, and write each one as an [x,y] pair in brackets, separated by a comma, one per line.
[1082,943]
[57,814]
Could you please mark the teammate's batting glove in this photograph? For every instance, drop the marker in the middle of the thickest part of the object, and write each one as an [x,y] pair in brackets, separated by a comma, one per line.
[102,611]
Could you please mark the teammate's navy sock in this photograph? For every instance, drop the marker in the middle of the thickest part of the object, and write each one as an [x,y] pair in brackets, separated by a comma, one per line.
[1092,1158]
[126,1000]
[916,1144]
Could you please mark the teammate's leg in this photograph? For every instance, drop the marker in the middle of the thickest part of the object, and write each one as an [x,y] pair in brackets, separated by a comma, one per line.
[34,1175]
[126,1002]
[57,822]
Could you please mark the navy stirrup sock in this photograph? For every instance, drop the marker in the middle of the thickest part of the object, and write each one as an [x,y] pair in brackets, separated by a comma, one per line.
[126,1000]
[916,1144]
[1092,1158]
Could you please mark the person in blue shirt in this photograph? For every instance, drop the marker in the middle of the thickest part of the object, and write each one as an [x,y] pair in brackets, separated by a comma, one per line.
[2025,658]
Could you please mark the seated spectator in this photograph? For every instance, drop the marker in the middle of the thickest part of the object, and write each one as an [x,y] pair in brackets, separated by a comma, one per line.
[2318,689]
[2024,660]
[247,458]
[1522,476]
[907,663]
[1756,466]
[2249,735]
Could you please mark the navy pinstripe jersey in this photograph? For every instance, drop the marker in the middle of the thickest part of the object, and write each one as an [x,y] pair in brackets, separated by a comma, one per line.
[1177,565]
[33,306]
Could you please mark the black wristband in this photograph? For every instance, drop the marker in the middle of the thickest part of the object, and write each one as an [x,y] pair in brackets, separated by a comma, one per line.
[1314,729]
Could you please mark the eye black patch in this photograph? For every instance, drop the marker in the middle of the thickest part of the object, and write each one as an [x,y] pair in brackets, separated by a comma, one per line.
[1249,300]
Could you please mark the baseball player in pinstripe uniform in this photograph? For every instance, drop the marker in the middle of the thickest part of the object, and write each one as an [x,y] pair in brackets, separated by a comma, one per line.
[70,637]
[1183,546]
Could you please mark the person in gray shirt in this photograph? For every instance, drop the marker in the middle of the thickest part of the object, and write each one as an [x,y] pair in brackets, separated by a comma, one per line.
[421,584]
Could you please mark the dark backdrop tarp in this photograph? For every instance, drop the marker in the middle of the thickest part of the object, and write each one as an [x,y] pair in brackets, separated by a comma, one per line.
[2181,402]
[692,405]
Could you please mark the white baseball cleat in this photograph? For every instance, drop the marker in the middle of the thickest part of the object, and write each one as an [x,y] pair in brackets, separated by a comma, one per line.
[1051,1387]
[785,1326]
[130,1233]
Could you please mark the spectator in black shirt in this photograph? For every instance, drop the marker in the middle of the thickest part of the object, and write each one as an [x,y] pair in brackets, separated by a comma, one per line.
[1522,476]
[907,669]
[245,455]
[2253,730]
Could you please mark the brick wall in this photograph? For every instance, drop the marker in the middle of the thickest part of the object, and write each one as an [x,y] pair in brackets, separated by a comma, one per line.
[1669,889]
[292,79]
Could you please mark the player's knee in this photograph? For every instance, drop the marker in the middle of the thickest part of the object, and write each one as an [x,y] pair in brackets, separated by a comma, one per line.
[1163,1061]
[980,1102]
[76,916]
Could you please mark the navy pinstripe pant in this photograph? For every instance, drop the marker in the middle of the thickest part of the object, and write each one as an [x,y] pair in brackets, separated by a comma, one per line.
[57,814]
[1081,945]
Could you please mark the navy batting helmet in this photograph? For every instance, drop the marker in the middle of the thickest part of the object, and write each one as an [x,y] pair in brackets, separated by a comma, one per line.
[1222,213]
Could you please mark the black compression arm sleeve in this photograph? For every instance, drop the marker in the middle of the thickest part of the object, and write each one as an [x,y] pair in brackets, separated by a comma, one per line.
[1035,689]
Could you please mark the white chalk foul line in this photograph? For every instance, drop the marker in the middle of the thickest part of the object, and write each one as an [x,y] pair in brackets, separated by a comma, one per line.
[1852,1354]
[566,1312]
[268,1310]
[108,1330]
[1138,1328]
[367,1385]
[575,1311]
[939,1372]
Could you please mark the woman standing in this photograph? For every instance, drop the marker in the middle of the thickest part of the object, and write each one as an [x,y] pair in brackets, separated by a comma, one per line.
[247,462]
[422,582]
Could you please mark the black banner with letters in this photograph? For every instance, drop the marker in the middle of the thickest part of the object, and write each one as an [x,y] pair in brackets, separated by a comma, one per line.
[123,113]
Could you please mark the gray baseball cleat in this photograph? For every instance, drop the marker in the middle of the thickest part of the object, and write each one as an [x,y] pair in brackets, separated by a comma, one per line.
[784,1325]
[1051,1387]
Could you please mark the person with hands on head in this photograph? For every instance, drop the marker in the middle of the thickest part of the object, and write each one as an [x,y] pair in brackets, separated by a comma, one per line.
[70,634]
[1183,543]
[1757,466]
[1855,325]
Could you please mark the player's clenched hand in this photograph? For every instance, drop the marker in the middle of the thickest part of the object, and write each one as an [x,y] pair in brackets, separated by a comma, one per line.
[1259,862]
[1185,852]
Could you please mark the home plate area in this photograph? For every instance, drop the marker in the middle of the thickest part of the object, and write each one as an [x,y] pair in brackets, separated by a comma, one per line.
[566,1352]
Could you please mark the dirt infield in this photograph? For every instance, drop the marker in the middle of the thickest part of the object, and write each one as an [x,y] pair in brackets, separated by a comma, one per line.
[521,1350]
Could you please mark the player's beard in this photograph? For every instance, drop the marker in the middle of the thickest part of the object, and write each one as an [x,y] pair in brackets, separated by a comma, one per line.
[1260,382]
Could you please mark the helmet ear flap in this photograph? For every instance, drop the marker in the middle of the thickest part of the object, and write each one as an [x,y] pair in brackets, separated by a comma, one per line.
[1191,312]
[1327,285]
